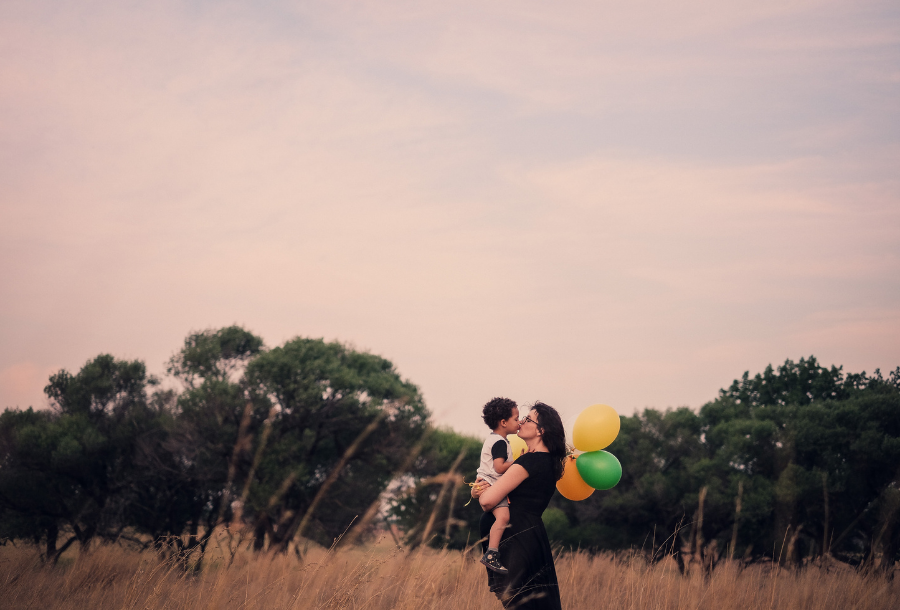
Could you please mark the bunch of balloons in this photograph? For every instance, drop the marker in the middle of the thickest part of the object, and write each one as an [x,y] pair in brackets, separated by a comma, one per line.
[596,427]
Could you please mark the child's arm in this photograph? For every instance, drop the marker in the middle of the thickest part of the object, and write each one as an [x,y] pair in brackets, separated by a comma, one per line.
[501,465]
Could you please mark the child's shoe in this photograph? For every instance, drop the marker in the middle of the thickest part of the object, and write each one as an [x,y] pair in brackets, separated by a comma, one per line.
[491,559]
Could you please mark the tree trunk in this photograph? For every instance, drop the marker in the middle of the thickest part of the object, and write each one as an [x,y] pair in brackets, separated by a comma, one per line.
[790,556]
[737,518]
[52,536]
[886,538]
[825,549]
[679,561]
[698,542]
[259,533]
[62,550]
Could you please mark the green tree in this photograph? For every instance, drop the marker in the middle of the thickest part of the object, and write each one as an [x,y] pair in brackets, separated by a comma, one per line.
[657,494]
[429,503]
[297,440]
[198,463]
[214,355]
[334,411]
[793,462]
[74,468]
[818,454]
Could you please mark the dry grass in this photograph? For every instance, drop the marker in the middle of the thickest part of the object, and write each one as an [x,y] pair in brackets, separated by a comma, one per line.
[381,577]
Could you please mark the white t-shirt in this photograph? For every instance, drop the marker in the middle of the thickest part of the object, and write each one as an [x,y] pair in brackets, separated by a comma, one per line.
[495,446]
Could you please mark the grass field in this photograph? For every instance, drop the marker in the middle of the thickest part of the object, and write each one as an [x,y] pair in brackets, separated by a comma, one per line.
[381,577]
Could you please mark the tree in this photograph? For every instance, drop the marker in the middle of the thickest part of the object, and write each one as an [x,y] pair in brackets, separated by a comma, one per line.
[200,460]
[798,461]
[332,408]
[429,501]
[297,440]
[214,355]
[819,449]
[74,468]
[657,494]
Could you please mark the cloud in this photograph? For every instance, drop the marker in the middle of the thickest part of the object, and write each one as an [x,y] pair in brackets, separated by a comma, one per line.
[627,203]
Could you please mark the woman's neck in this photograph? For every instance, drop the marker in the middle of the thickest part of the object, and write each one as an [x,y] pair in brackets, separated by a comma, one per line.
[536,445]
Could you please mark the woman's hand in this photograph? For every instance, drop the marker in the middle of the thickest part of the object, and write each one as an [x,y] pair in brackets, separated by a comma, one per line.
[492,495]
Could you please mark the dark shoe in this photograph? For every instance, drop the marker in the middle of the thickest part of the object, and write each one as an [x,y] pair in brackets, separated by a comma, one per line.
[491,559]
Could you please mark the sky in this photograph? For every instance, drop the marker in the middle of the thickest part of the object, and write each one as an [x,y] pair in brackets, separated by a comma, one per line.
[588,202]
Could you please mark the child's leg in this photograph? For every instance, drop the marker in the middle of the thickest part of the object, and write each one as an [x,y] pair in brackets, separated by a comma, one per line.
[501,516]
[491,558]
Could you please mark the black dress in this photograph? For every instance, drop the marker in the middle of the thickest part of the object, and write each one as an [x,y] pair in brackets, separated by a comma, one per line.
[524,549]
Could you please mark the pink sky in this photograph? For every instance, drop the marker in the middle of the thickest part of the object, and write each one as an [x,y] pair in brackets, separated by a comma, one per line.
[592,202]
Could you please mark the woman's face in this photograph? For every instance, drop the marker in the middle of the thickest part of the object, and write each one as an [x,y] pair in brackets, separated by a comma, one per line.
[528,426]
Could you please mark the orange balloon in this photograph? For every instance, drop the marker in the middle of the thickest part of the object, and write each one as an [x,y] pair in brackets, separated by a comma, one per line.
[571,485]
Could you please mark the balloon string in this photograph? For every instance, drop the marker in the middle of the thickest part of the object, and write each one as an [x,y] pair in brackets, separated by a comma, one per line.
[470,499]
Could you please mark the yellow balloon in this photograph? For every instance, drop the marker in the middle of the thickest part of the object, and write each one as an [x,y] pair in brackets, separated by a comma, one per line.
[571,485]
[517,445]
[596,427]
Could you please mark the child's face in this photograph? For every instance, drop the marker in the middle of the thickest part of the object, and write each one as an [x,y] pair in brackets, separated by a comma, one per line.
[512,424]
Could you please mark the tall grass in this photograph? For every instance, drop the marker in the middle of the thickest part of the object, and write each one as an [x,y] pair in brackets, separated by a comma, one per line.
[381,576]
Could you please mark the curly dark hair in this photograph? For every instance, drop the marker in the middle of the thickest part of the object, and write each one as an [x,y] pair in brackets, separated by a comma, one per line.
[553,435]
[497,409]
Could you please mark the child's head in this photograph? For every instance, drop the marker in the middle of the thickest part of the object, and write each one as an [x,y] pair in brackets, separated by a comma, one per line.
[501,412]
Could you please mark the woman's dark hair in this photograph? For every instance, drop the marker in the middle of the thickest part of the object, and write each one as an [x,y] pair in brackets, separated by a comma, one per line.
[553,435]
[497,409]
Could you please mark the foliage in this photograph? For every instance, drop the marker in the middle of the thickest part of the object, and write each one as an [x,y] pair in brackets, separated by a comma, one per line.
[324,397]
[214,355]
[76,468]
[304,436]
[307,438]
[448,460]
[812,453]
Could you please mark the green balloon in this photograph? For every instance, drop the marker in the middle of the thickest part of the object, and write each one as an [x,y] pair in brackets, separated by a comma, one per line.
[599,469]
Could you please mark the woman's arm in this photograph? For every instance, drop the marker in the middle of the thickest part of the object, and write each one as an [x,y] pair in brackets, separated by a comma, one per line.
[493,495]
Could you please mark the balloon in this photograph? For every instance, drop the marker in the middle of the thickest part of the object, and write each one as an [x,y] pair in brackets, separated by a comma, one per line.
[599,469]
[517,445]
[596,427]
[571,485]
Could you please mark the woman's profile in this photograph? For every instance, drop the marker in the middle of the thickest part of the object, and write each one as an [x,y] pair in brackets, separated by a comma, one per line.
[530,583]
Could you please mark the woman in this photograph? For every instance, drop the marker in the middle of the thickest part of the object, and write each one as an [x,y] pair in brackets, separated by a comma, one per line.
[529,483]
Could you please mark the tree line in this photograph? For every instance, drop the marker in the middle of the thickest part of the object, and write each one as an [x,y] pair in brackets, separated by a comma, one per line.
[793,464]
[291,441]
[316,441]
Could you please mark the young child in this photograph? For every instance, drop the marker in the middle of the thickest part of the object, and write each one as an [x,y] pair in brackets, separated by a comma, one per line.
[502,416]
